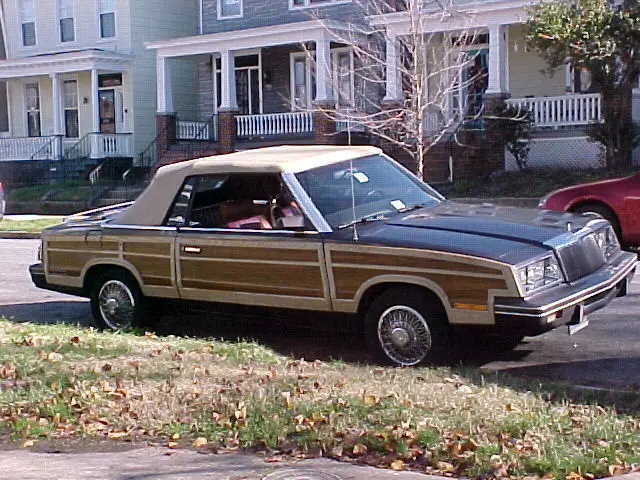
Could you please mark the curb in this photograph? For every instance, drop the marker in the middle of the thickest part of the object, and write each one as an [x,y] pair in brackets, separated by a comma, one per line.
[9,235]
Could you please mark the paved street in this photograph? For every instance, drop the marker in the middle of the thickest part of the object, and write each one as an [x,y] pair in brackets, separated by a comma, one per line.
[606,354]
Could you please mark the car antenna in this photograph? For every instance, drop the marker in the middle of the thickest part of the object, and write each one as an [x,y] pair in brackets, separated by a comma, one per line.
[353,202]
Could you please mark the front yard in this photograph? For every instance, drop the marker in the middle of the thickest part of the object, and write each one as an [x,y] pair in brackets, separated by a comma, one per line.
[61,382]
[31,226]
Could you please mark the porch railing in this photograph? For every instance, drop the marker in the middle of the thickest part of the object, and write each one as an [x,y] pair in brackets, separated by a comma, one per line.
[187,130]
[289,123]
[111,145]
[30,148]
[563,110]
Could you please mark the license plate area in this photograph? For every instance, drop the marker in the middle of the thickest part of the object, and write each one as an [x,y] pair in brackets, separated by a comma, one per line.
[579,320]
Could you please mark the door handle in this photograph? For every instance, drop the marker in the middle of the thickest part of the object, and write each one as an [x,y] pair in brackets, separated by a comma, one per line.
[192,249]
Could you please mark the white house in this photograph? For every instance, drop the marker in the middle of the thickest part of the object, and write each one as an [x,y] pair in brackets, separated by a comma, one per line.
[76,79]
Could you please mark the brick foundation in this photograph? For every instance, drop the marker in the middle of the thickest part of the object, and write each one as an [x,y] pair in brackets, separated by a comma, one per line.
[324,127]
[166,131]
[227,130]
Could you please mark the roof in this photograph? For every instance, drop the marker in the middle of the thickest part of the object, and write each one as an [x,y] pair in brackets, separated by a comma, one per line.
[151,207]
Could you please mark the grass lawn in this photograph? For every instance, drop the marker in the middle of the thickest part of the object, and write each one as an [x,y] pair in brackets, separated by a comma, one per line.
[33,226]
[59,381]
[530,183]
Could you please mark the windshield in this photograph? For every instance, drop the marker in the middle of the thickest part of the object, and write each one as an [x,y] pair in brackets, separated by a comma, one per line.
[380,189]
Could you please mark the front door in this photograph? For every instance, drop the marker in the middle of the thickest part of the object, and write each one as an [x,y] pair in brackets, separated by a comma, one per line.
[230,250]
[248,91]
[107,100]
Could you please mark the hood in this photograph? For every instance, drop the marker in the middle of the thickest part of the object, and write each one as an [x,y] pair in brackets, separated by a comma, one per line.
[524,225]
[506,234]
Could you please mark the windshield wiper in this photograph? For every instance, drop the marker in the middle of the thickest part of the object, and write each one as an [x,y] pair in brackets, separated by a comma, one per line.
[368,218]
[409,208]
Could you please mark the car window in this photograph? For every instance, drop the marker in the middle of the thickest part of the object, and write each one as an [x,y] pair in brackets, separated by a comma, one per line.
[180,207]
[238,201]
[370,186]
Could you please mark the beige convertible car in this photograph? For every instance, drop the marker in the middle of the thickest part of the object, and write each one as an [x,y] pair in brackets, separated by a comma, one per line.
[337,230]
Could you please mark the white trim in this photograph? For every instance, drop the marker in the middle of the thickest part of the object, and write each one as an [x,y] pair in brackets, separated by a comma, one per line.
[9,131]
[63,109]
[229,17]
[326,3]
[59,18]
[477,15]
[22,20]
[334,75]
[64,63]
[100,12]
[200,19]
[24,105]
[261,37]
[293,57]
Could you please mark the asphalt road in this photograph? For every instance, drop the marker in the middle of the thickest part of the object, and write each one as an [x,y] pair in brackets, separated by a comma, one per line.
[605,354]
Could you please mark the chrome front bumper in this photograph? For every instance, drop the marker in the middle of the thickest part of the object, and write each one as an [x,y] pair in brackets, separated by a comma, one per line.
[562,304]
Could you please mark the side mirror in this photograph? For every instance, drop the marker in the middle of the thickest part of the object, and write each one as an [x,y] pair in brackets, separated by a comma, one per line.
[295,222]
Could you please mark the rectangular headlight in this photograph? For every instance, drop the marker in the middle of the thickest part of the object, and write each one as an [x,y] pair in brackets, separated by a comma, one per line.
[607,241]
[539,274]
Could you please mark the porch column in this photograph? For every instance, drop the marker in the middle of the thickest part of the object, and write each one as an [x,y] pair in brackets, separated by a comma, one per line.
[635,96]
[228,73]
[227,130]
[95,106]
[392,75]
[497,84]
[323,70]
[164,91]
[55,96]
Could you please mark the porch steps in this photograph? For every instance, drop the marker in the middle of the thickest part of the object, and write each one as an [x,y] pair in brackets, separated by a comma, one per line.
[120,194]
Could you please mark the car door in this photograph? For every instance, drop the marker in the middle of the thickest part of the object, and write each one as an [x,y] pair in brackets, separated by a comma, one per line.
[227,249]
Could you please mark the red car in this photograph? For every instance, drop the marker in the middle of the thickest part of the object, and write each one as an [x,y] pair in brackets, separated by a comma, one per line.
[617,200]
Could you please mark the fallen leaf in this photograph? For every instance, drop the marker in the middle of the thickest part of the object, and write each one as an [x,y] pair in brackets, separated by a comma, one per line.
[28,443]
[200,442]
[397,465]
[55,357]
[172,445]
[359,449]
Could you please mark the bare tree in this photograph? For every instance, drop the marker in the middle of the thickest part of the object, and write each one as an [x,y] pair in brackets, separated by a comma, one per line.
[435,85]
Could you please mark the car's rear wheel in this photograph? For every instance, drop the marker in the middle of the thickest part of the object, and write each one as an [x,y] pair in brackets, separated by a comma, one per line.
[116,301]
[406,327]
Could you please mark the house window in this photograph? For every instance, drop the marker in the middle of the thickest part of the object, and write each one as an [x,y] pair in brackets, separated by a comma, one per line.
[303,81]
[229,9]
[70,102]
[314,3]
[28,19]
[342,77]
[65,12]
[32,106]
[107,18]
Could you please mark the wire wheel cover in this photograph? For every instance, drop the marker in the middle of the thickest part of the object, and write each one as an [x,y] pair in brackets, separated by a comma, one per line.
[117,305]
[404,335]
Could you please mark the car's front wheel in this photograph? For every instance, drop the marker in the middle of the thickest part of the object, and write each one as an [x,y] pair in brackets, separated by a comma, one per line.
[116,301]
[406,327]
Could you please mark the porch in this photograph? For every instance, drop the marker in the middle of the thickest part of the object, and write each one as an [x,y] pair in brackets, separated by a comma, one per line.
[63,104]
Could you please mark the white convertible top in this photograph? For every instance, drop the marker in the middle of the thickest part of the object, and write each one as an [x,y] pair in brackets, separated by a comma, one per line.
[152,205]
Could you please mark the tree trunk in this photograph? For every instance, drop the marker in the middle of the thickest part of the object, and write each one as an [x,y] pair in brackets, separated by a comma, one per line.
[617,132]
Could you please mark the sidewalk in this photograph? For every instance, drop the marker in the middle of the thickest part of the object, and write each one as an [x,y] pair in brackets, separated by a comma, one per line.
[155,463]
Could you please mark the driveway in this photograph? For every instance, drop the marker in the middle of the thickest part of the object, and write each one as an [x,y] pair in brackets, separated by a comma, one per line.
[606,354]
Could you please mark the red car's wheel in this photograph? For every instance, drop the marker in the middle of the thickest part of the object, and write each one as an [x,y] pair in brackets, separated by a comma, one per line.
[602,210]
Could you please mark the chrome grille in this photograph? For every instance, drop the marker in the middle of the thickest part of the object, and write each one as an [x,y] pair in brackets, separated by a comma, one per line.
[581,258]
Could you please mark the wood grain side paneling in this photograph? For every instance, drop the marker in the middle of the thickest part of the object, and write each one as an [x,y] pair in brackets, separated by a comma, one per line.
[296,280]
[72,262]
[154,270]
[255,253]
[459,289]
[148,248]
[399,261]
